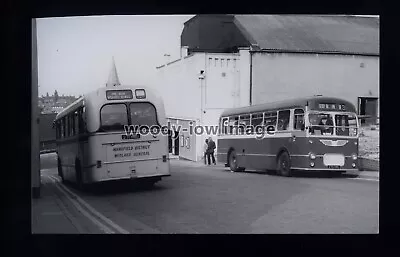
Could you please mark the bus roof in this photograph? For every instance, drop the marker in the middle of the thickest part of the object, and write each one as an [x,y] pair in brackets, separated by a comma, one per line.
[290,103]
[100,91]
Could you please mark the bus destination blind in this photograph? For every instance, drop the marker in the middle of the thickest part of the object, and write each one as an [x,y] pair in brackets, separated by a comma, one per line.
[119,94]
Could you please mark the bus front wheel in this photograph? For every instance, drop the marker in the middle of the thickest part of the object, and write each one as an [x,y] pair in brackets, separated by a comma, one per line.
[284,166]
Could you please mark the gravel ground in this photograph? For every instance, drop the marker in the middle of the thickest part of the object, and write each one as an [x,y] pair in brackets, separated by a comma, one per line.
[369,143]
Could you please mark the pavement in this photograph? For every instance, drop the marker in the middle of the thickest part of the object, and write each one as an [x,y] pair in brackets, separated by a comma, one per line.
[209,199]
[53,214]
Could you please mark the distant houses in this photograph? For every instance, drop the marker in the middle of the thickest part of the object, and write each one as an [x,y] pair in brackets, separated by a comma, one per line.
[54,103]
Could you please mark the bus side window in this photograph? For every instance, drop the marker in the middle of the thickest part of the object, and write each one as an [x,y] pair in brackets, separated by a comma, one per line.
[224,127]
[233,125]
[73,132]
[298,119]
[62,128]
[270,119]
[244,121]
[283,120]
[76,122]
[256,121]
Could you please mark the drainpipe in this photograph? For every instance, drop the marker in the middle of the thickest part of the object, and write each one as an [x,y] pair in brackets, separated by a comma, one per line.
[251,77]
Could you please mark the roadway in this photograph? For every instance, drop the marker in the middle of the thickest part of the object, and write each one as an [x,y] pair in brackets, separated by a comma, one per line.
[210,199]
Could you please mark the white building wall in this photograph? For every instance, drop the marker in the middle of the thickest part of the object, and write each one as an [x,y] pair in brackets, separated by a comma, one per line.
[185,94]
[279,76]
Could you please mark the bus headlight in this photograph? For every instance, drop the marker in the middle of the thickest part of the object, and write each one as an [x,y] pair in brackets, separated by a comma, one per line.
[312,156]
[353,132]
[310,141]
[354,165]
[312,164]
[354,156]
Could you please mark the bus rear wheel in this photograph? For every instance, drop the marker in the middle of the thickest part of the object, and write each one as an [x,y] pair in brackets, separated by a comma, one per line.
[284,166]
[233,161]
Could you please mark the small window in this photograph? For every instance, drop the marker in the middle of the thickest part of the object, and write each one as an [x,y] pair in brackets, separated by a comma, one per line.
[283,120]
[298,121]
[234,63]
[222,62]
[216,61]
[227,62]
[209,61]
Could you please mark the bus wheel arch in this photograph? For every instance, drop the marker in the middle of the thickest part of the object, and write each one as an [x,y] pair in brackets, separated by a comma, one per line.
[283,163]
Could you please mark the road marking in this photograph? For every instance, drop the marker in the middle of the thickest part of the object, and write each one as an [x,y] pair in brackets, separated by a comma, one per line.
[367,179]
[81,210]
[92,210]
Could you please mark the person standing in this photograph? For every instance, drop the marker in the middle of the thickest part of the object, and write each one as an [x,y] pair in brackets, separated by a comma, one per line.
[205,148]
[210,151]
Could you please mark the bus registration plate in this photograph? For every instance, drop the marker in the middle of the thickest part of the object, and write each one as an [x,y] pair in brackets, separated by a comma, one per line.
[333,160]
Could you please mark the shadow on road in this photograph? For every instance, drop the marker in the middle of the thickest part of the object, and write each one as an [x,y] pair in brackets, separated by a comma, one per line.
[307,174]
[118,187]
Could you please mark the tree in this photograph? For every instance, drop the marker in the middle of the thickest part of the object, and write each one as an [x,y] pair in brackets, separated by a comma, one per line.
[47,94]
[55,96]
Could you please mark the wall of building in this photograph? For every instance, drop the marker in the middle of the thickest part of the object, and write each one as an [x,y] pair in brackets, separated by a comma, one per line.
[277,76]
[222,87]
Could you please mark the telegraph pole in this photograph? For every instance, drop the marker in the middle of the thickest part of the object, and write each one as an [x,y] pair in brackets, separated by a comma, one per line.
[35,151]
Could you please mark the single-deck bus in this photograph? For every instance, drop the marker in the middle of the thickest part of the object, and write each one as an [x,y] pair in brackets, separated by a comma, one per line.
[92,144]
[312,133]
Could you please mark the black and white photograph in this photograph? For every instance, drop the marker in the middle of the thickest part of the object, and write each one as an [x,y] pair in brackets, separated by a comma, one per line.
[205,124]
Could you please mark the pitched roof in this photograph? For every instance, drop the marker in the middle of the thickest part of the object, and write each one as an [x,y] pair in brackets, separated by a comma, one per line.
[343,34]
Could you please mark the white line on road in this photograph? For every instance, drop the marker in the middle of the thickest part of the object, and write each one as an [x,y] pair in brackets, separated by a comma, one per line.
[92,210]
[368,179]
[81,210]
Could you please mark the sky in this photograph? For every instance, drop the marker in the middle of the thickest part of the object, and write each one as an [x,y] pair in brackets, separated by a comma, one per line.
[75,53]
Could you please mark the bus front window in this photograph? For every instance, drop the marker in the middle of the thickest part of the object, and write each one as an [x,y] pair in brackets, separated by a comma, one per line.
[346,124]
[320,124]
[113,117]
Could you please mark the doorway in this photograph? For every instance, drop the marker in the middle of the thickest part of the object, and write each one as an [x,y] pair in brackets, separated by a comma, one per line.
[176,143]
[368,107]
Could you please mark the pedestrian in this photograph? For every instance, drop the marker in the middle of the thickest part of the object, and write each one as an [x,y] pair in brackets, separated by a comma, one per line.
[205,148]
[210,151]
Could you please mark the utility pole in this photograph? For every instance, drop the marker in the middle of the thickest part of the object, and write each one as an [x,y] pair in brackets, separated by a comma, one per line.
[35,151]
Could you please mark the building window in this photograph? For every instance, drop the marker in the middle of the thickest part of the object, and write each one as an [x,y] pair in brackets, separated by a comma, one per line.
[222,62]
[234,63]
[227,62]
[209,61]
[216,61]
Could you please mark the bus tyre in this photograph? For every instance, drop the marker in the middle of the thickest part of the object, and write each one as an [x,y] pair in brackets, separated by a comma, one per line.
[284,166]
[233,161]
[78,174]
